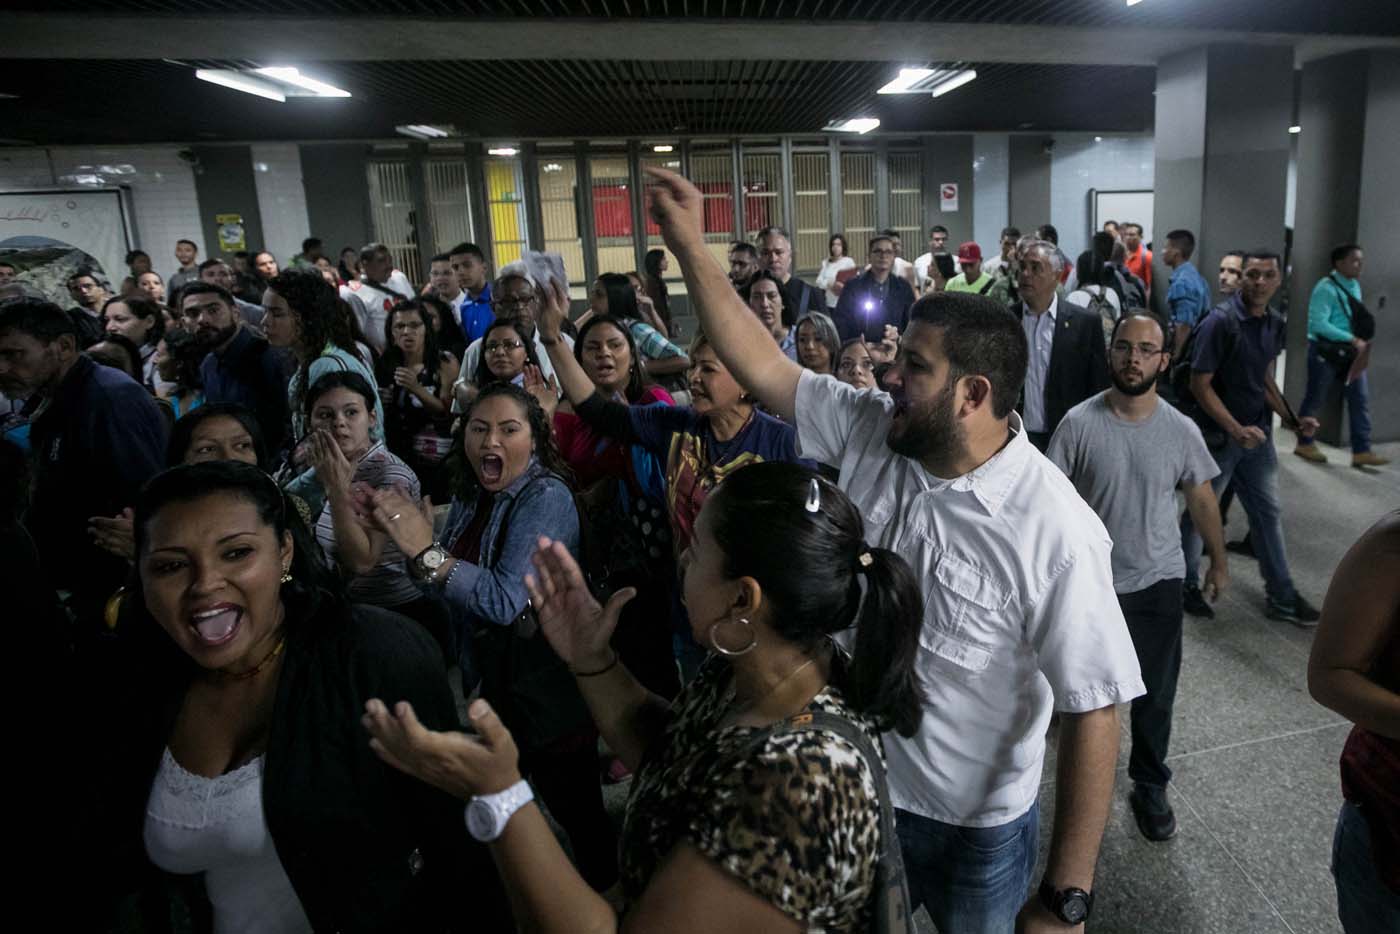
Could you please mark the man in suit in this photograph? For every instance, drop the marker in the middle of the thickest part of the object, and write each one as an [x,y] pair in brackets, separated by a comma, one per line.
[1068,361]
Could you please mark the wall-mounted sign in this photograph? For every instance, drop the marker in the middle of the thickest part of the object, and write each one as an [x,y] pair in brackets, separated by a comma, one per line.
[48,235]
[231,237]
[948,196]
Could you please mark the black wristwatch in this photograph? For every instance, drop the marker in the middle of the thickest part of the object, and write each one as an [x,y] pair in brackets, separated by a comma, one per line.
[1072,906]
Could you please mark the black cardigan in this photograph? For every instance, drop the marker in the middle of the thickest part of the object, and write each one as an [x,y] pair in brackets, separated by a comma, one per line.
[366,847]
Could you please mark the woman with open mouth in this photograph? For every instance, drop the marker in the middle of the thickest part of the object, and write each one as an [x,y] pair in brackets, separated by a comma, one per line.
[700,444]
[236,742]
[351,466]
[512,488]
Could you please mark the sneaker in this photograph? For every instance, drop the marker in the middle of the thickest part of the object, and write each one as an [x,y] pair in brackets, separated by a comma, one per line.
[1297,611]
[1310,452]
[1242,547]
[1368,459]
[1155,818]
[1193,602]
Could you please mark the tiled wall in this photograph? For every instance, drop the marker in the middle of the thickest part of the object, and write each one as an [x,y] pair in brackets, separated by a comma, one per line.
[991,190]
[1083,161]
[161,183]
[281,198]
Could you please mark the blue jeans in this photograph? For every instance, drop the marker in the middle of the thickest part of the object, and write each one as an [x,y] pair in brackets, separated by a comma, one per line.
[1364,904]
[973,880]
[1357,397]
[1255,476]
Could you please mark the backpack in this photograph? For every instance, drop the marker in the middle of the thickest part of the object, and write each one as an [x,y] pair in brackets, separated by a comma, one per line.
[1181,372]
[891,912]
[1099,305]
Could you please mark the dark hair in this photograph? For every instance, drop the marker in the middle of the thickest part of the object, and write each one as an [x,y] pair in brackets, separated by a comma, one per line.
[788,314]
[129,351]
[1092,267]
[980,338]
[937,228]
[84,272]
[312,584]
[637,379]
[740,246]
[188,354]
[148,272]
[1048,232]
[310,243]
[6,264]
[470,249]
[652,262]
[341,379]
[39,318]
[144,309]
[622,298]
[132,256]
[182,432]
[877,238]
[654,284]
[349,334]
[345,272]
[1239,253]
[211,263]
[462,480]
[1142,313]
[320,319]
[1014,232]
[449,333]
[811,569]
[1340,253]
[205,288]
[1133,224]
[1263,254]
[845,247]
[1184,240]
[827,334]
[190,242]
[392,356]
[255,256]
[441,258]
[483,377]
[1109,221]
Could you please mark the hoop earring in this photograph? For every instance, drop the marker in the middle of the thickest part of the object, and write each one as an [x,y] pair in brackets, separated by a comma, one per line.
[714,643]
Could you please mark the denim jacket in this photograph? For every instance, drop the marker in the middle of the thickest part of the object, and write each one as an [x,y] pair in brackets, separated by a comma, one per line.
[537,503]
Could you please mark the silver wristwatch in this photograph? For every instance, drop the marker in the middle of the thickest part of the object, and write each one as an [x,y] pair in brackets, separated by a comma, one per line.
[429,561]
[487,814]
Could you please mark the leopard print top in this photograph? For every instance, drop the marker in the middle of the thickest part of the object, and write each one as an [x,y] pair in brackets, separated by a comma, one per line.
[796,820]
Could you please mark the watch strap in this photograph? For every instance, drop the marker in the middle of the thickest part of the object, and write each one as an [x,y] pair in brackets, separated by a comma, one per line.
[506,802]
[1054,899]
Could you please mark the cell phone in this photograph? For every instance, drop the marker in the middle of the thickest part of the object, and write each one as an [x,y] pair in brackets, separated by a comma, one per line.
[546,268]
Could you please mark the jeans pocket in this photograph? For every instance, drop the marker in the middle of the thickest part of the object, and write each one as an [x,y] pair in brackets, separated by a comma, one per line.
[991,843]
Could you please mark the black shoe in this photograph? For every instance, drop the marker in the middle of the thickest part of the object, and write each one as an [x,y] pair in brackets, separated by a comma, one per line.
[1194,603]
[1242,547]
[1154,815]
[1297,611]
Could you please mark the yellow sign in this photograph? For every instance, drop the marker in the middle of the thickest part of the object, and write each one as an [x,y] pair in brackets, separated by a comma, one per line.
[231,238]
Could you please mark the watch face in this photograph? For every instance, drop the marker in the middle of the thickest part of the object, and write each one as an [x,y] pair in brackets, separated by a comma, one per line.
[481,821]
[433,559]
[1074,909]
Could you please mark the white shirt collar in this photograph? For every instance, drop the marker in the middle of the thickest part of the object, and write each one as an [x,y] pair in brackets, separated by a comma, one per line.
[1051,311]
[992,481]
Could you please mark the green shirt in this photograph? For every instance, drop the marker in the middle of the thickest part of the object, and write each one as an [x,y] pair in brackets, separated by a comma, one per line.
[959,283]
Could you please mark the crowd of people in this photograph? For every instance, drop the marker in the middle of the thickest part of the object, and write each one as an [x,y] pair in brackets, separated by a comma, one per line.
[823,583]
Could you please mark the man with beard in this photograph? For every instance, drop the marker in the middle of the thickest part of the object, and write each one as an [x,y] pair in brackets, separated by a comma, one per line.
[743,266]
[1127,453]
[240,367]
[1019,621]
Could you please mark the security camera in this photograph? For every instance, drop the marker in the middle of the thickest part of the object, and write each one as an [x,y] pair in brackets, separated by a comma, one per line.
[1047,147]
[191,158]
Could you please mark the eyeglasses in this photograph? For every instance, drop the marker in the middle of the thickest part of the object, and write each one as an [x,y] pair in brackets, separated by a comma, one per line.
[1125,349]
[848,367]
[506,346]
[512,301]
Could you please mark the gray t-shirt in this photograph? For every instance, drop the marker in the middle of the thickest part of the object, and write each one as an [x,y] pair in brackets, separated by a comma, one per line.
[1128,473]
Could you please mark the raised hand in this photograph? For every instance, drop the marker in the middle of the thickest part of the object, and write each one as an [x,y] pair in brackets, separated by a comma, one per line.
[577,627]
[332,468]
[545,393]
[409,524]
[677,207]
[461,765]
[554,311]
[114,534]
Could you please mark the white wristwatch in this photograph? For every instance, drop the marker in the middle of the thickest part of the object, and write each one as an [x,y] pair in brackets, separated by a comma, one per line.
[487,814]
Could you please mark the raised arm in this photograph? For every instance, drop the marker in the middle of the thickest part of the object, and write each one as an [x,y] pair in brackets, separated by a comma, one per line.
[740,340]
[575,383]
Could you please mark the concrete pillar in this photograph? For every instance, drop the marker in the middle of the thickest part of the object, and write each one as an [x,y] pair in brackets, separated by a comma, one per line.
[1348,192]
[1029,185]
[1222,115]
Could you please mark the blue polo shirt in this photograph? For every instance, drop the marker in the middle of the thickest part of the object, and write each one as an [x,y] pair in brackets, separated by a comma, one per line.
[1239,348]
[475,315]
[1188,294]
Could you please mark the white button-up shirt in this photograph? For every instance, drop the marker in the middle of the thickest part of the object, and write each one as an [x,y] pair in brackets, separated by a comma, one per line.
[1020,616]
[372,304]
[471,358]
[1040,336]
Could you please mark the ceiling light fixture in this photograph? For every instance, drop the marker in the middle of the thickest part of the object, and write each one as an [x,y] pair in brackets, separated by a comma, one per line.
[240,82]
[421,131]
[908,77]
[1134,2]
[663,148]
[289,75]
[957,80]
[1295,129]
[503,151]
[853,125]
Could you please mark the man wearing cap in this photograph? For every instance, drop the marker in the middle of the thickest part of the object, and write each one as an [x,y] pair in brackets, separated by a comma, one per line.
[972,278]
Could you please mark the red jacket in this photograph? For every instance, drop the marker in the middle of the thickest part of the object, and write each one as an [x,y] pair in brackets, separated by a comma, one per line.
[1140,264]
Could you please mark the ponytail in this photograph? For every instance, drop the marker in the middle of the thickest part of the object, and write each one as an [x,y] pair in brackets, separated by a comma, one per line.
[883,682]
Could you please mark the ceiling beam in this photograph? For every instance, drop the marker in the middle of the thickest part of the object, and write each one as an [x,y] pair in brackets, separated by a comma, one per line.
[298,40]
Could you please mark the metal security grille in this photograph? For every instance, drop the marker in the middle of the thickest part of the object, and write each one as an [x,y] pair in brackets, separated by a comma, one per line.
[393,216]
[449,202]
[664,160]
[505,197]
[858,198]
[559,205]
[713,173]
[907,199]
[612,213]
[763,192]
[811,194]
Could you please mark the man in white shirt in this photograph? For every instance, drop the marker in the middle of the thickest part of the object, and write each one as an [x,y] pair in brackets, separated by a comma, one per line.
[925,272]
[380,288]
[443,281]
[516,295]
[1020,619]
[1009,236]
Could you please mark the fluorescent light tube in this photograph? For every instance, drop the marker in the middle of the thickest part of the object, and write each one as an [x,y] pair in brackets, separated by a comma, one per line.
[421,131]
[295,78]
[1295,129]
[240,82]
[956,81]
[503,151]
[853,125]
[908,77]
[663,148]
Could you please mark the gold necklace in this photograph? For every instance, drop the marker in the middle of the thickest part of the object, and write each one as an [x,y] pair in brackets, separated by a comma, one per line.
[271,656]
[748,705]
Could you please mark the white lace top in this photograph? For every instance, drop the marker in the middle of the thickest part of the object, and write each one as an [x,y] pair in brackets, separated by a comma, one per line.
[216,826]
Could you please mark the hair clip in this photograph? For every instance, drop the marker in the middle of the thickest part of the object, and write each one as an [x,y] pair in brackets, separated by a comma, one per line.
[814,497]
[866,559]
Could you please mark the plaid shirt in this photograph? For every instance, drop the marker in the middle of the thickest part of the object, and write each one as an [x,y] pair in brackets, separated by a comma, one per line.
[650,343]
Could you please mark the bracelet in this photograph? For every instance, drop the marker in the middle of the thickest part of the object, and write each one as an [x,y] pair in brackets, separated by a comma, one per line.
[601,671]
